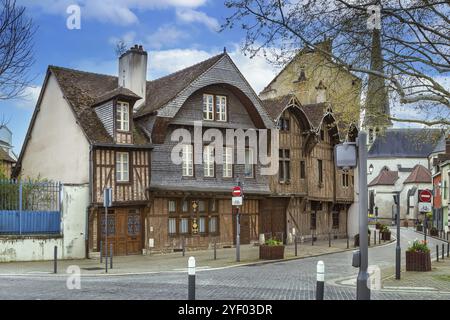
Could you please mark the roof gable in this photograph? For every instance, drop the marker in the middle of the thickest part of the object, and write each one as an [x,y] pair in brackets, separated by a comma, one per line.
[385,177]
[420,174]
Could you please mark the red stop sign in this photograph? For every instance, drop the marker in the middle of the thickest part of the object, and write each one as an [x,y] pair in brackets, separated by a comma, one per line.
[237,191]
[425,196]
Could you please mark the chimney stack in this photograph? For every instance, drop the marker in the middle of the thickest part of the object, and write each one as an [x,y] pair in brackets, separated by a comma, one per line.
[133,72]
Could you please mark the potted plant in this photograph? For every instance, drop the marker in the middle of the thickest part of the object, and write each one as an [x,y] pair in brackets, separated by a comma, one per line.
[418,257]
[356,239]
[434,232]
[385,233]
[419,227]
[378,225]
[271,250]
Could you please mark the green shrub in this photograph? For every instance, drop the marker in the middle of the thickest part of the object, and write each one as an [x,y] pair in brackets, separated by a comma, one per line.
[419,246]
[273,242]
[384,228]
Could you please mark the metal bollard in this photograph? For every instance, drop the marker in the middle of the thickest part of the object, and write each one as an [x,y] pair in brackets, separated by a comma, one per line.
[320,284]
[379,237]
[183,246]
[295,245]
[348,244]
[437,253]
[312,239]
[215,250]
[374,237]
[448,249]
[191,278]
[101,252]
[111,256]
[55,260]
[443,252]
[329,240]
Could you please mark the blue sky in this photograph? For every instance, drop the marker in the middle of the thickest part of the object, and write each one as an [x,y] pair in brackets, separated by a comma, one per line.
[176,33]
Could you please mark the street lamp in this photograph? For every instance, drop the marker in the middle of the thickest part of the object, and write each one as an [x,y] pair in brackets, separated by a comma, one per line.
[397,248]
[371,169]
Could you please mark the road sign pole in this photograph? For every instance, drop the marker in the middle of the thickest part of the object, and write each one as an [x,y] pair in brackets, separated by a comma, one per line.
[238,236]
[398,250]
[362,290]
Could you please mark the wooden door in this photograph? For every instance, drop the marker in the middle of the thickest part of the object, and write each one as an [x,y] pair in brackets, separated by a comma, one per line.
[134,234]
[273,217]
[244,228]
[121,233]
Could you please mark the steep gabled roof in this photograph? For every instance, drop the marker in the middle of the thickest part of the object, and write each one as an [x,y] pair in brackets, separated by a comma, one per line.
[315,112]
[420,174]
[405,143]
[385,178]
[168,87]
[276,106]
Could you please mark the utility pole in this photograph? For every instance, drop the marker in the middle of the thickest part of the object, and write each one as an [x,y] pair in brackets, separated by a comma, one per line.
[398,249]
[362,290]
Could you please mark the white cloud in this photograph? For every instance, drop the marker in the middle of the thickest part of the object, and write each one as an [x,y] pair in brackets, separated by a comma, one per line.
[110,11]
[194,16]
[28,101]
[164,36]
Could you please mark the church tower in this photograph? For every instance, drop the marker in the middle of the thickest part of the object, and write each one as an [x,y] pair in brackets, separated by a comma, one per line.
[377,112]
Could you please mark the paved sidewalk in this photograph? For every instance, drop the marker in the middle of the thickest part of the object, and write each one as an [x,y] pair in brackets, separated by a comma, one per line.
[438,279]
[173,262]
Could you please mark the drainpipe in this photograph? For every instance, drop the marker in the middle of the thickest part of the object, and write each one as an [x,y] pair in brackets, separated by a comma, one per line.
[86,236]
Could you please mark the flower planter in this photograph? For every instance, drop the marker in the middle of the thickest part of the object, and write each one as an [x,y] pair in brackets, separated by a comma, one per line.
[386,236]
[271,252]
[378,226]
[419,228]
[434,232]
[418,261]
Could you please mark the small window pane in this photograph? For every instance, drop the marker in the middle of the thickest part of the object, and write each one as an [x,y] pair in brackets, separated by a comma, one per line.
[227,162]
[212,225]
[202,225]
[249,163]
[172,226]
[185,206]
[172,206]
[184,225]
[201,206]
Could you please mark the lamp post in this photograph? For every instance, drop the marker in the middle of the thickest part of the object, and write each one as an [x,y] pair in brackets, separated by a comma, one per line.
[398,249]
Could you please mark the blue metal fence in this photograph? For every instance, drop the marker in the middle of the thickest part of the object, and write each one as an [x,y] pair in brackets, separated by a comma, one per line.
[30,207]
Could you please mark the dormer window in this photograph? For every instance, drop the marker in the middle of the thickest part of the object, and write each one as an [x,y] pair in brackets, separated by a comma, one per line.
[123,116]
[221,108]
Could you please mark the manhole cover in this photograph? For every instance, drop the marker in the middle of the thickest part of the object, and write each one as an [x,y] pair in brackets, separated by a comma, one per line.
[93,269]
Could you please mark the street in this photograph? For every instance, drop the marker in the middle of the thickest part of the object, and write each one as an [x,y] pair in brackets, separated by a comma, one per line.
[283,280]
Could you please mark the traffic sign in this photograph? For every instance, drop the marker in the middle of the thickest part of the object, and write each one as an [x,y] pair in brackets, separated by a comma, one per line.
[237,191]
[236,201]
[425,195]
[424,207]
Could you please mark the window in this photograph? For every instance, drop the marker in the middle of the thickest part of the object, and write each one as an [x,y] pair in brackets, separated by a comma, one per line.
[322,135]
[213,225]
[172,226]
[345,179]
[201,206]
[370,135]
[302,170]
[123,116]
[122,167]
[208,161]
[172,206]
[185,207]
[283,124]
[202,225]
[208,107]
[221,108]
[188,163]
[249,163]
[320,170]
[284,174]
[336,220]
[227,162]
[184,225]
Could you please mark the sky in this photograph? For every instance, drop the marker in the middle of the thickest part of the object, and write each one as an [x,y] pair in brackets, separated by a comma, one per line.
[176,34]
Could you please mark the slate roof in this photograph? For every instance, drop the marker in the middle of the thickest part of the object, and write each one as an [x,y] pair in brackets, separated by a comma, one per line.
[170,86]
[384,178]
[4,156]
[440,145]
[117,92]
[420,174]
[405,143]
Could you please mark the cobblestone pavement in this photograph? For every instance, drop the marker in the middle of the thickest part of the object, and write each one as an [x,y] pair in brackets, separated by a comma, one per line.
[294,279]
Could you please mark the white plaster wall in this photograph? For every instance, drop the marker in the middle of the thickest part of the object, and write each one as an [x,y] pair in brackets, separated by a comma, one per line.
[353,211]
[391,163]
[58,150]
[71,245]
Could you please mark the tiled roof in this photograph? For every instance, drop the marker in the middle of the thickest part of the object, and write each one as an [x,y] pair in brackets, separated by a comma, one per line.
[117,92]
[168,87]
[315,112]
[385,177]
[420,174]
[405,143]
[275,106]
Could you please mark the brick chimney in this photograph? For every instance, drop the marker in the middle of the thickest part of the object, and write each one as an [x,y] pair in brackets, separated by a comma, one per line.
[133,72]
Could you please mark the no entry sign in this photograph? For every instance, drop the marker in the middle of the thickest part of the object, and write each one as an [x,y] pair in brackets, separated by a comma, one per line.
[425,195]
[237,191]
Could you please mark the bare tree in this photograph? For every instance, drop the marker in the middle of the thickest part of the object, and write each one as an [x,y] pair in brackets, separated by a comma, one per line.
[16,50]
[120,48]
[415,43]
